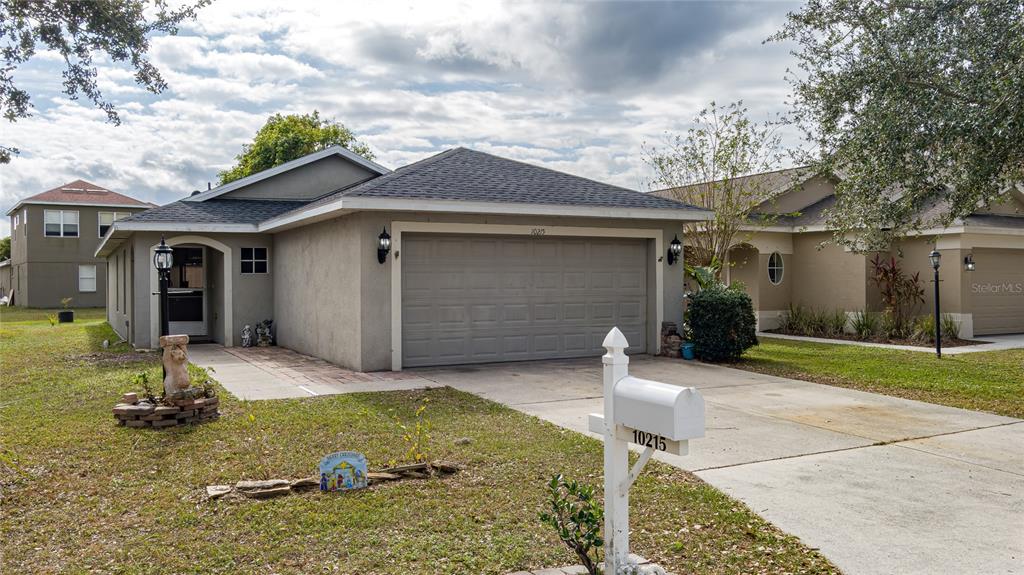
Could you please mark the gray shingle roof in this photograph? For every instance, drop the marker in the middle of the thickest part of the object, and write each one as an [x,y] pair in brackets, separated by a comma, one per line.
[216,211]
[466,175]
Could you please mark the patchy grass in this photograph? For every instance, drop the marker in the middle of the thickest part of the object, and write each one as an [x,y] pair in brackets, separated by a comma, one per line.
[22,314]
[986,381]
[80,494]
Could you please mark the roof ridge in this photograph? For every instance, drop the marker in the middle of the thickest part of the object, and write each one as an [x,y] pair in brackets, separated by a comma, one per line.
[396,174]
[535,166]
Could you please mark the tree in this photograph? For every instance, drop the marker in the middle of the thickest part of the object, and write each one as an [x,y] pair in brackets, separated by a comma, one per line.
[918,106]
[285,138]
[5,248]
[705,168]
[77,31]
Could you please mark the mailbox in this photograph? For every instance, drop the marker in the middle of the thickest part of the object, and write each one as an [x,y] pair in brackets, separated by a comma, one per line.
[673,412]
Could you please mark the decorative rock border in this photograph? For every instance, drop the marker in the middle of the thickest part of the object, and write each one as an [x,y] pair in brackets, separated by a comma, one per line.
[174,412]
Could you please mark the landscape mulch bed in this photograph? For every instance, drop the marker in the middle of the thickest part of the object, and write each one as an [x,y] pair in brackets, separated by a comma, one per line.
[909,342]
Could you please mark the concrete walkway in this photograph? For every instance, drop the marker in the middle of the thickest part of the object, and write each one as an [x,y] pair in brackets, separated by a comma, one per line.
[879,484]
[279,373]
[992,343]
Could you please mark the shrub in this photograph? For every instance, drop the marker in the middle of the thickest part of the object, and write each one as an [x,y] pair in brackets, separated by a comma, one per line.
[923,329]
[892,327]
[864,324]
[901,293]
[835,322]
[416,435]
[577,517]
[950,327]
[723,323]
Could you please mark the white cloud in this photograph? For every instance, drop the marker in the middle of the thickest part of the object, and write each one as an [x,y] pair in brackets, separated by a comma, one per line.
[577,87]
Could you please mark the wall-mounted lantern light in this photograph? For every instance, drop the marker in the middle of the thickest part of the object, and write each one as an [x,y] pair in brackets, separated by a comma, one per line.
[675,249]
[383,245]
[969,262]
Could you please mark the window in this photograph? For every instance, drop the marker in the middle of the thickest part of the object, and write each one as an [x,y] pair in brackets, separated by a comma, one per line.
[108,218]
[24,220]
[87,278]
[60,223]
[15,221]
[254,260]
[775,268]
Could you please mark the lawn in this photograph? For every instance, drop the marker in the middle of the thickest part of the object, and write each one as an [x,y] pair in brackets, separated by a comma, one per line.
[985,381]
[80,494]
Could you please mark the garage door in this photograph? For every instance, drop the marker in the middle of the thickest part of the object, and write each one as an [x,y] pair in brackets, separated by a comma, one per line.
[997,291]
[475,299]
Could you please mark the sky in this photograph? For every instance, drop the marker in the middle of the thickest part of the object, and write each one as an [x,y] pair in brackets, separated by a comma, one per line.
[579,87]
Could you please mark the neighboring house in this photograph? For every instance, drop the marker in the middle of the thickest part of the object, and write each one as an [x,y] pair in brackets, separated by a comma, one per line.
[5,280]
[490,260]
[54,236]
[793,261]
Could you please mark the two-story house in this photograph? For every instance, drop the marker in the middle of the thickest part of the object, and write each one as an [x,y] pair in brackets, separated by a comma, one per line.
[54,236]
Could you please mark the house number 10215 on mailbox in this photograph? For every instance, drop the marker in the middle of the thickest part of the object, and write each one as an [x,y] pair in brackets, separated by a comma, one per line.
[649,440]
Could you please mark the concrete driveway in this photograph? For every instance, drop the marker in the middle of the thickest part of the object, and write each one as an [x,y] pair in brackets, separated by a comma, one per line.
[879,484]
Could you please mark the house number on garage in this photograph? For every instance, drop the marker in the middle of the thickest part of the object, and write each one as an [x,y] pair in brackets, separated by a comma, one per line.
[538,232]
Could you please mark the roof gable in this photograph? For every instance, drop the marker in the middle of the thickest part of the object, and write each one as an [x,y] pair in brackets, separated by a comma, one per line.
[82,192]
[369,166]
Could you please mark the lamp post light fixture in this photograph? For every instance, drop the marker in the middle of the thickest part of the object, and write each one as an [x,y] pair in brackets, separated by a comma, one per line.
[675,250]
[936,258]
[383,245]
[969,263]
[163,259]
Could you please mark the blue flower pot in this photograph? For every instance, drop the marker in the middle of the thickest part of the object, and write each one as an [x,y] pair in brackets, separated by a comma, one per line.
[687,350]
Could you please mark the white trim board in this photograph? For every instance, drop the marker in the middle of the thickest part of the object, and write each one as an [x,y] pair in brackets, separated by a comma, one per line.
[287,166]
[154,287]
[399,227]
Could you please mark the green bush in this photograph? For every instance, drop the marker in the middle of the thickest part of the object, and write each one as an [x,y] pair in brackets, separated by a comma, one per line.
[575,513]
[864,324]
[950,327]
[923,329]
[723,324]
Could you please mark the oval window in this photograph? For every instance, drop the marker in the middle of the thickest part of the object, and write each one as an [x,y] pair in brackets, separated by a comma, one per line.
[775,268]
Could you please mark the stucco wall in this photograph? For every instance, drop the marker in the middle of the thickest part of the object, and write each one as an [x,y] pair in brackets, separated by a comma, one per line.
[119,296]
[252,296]
[827,278]
[312,181]
[317,272]
[52,262]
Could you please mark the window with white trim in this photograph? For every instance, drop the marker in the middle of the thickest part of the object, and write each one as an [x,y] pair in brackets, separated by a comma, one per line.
[60,223]
[15,221]
[106,219]
[24,220]
[87,277]
[776,268]
[254,260]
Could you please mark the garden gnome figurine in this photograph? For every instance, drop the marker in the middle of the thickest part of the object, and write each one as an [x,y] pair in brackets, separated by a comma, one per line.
[175,359]
[246,336]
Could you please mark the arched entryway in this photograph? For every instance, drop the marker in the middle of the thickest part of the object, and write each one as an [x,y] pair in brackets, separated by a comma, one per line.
[216,300]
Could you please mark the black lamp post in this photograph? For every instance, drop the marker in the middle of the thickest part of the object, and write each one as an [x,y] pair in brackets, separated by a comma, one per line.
[675,249]
[163,259]
[935,256]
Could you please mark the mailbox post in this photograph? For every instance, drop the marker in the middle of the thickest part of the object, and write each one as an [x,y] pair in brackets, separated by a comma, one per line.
[657,416]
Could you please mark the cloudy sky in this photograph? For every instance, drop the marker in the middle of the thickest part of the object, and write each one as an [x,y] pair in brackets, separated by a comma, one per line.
[577,87]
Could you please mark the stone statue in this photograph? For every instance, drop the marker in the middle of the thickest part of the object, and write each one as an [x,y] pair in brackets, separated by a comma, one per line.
[246,336]
[263,338]
[175,359]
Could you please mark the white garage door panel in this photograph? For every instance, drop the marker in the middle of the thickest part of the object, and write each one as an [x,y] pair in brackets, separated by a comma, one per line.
[474,299]
[997,291]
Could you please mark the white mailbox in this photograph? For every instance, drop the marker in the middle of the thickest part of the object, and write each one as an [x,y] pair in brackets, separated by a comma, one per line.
[671,411]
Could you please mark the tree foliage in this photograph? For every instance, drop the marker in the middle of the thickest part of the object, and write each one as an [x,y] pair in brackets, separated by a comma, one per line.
[78,31]
[5,248]
[918,106]
[285,138]
[704,167]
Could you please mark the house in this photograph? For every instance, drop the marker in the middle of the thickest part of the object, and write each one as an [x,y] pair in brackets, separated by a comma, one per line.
[792,261]
[463,257]
[54,236]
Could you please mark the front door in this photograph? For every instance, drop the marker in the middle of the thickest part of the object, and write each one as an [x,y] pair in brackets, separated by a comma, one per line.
[187,293]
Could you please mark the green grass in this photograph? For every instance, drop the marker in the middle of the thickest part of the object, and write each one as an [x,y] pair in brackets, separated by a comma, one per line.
[985,381]
[23,314]
[80,494]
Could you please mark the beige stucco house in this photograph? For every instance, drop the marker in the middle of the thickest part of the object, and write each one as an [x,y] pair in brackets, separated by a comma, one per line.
[489,260]
[794,261]
[54,236]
